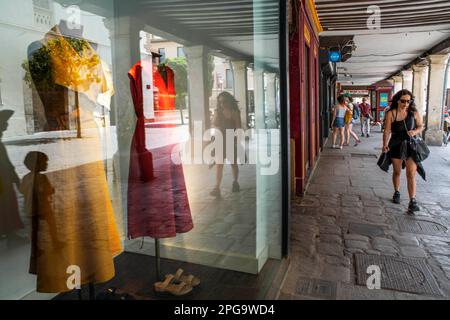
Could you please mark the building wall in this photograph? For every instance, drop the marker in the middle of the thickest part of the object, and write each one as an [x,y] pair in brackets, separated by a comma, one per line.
[304,116]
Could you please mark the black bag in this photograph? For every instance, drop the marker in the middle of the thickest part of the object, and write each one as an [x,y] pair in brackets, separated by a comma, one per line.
[384,161]
[418,146]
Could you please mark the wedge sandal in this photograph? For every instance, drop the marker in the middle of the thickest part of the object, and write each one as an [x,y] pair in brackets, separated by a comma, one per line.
[169,287]
[189,279]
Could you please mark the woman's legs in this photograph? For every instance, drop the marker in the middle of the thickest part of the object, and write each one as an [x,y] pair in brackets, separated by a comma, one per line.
[335,132]
[411,170]
[235,169]
[352,133]
[342,135]
[347,135]
[397,164]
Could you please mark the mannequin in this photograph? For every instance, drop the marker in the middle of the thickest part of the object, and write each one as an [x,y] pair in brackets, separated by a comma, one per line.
[83,230]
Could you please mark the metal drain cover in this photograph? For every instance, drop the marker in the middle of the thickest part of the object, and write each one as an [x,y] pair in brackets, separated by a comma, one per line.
[420,226]
[369,230]
[316,288]
[401,274]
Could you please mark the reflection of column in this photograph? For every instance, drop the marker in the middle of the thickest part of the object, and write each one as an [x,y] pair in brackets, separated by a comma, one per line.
[125,53]
[419,87]
[240,89]
[271,101]
[398,83]
[198,96]
[407,77]
[433,134]
[258,78]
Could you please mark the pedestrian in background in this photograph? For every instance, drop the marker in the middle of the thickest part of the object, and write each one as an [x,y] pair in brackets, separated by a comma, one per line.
[349,122]
[366,117]
[338,122]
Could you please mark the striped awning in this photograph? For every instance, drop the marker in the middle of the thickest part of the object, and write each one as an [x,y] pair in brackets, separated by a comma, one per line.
[336,15]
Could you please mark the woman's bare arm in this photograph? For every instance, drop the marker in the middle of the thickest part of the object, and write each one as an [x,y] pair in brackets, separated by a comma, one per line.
[387,131]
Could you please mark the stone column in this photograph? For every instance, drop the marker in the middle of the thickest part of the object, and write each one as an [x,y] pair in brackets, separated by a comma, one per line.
[258,78]
[125,43]
[407,79]
[197,59]
[419,87]
[433,133]
[271,101]
[398,83]
[241,89]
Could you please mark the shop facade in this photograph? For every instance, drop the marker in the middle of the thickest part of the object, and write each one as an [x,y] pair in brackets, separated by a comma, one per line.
[107,148]
[304,92]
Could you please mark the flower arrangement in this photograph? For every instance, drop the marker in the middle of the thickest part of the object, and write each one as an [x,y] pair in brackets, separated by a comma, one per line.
[67,62]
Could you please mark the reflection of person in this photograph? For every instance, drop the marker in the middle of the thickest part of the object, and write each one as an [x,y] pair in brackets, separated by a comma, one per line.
[338,122]
[403,122]
[38,193]
[227,117]
[10,220]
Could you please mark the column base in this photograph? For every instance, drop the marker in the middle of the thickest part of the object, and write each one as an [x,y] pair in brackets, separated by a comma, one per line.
[434,137]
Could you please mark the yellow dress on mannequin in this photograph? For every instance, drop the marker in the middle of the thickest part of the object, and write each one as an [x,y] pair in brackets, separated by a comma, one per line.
[83,234]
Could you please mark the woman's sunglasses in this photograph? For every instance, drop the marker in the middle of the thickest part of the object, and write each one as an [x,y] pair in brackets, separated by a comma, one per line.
[405,101]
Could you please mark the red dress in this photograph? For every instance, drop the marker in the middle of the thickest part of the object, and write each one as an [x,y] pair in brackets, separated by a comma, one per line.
[166,89]
[158,204]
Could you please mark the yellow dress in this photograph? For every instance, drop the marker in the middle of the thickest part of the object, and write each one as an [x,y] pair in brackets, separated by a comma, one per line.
[87,235]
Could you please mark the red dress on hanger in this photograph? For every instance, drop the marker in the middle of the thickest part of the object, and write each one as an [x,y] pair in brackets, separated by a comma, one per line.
[158,204]
[166,88]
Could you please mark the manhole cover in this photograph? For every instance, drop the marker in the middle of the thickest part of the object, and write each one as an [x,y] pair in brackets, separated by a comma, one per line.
[332,156]
[401,274]
[420,226]
[363,155]
[369,230]
[316,288]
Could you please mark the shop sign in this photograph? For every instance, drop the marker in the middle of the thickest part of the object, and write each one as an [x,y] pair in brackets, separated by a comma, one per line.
[334,56]
[384,99]
[357,92]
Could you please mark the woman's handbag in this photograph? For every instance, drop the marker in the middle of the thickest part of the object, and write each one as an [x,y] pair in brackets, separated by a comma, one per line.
[418,146]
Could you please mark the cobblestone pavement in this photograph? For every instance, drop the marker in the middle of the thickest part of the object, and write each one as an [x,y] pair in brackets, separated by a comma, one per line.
[348,210]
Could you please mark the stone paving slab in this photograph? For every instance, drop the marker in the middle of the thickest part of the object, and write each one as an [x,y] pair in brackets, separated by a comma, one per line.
[355,215]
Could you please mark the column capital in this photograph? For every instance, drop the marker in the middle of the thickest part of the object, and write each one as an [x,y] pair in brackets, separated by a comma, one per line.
[419,68]
[195,51]
[397,78]
[406,73]
[438,58]
[239,64]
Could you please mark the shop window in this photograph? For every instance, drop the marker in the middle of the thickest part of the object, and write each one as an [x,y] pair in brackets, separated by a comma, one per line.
[162,52]
[228,79]
[180,52]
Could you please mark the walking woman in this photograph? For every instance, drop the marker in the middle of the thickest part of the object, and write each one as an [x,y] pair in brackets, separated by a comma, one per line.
[349,122]
[402,123]
[338,122]
[227,117]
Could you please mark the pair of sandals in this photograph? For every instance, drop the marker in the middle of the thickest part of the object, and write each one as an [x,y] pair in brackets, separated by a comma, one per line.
[177,284]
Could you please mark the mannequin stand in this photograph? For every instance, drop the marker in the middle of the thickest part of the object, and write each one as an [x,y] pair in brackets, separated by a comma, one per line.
[158,261]
[91,292]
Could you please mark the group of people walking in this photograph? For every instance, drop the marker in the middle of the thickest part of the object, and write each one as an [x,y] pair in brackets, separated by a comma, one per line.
[345,115]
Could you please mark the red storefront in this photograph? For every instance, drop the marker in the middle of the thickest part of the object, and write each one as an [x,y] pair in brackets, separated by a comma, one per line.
[304,94]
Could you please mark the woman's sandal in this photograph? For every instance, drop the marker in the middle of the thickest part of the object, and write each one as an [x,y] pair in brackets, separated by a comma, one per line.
[189,279]
[168,287]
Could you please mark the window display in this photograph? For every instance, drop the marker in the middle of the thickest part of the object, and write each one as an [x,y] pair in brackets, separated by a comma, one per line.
[109,152]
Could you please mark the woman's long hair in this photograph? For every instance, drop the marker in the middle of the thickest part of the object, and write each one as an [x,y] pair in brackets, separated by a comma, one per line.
[412,106]
[229,99]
